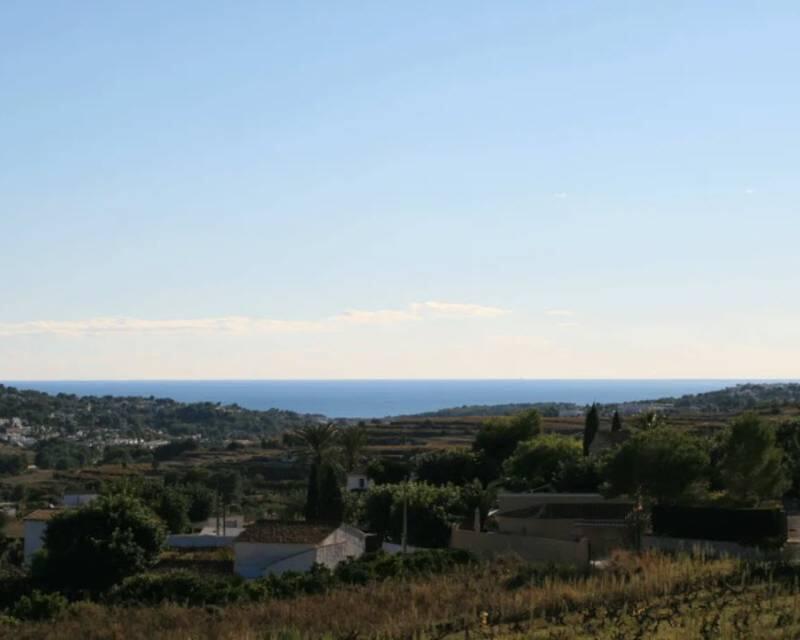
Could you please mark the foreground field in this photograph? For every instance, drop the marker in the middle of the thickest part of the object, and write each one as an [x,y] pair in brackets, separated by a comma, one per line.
[635,597]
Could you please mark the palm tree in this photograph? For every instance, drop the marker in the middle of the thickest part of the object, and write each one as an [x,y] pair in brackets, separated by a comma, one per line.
[353,441]
[318,441]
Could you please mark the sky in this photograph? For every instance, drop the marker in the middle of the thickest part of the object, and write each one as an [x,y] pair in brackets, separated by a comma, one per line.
[550,189]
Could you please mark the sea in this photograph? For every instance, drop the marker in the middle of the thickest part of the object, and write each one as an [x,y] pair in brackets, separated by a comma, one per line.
[381,398]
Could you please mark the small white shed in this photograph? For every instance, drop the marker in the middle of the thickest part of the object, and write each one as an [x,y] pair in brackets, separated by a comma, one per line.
[78,499]
[357,481]
[276,546]
[35,525]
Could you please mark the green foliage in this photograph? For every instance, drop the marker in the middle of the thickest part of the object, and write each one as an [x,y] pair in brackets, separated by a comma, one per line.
[184,588]
[578,475]
[499,437]
[746,526]
[648,420]
[353,441]
[39,606]
[172,507]
[317,441]
[194,590]
[590,428]
[100,544]
[536,462]
[787,438]
[200,502]
[616,422]
[752,464]
[662,464]
[61,455]
[128,416]
[311,509]
[12,464]
[431,512]
[174,449]
[451,466]
[331,504]
[388,471]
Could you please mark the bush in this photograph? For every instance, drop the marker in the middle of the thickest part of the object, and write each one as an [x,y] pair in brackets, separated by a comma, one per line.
[193,590]
[499,437]
[745,526]
[663,464]
[180,587]
[536,461]
[452,466]
[98,545]
[39,606]
[431,512]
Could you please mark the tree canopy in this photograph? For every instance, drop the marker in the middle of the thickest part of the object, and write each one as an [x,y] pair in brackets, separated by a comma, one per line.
[752,464]
[536,461]
[590,428]
[96,546]
[499,437]
[662,464]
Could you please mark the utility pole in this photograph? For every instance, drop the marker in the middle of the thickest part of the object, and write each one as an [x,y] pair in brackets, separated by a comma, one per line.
[405,520]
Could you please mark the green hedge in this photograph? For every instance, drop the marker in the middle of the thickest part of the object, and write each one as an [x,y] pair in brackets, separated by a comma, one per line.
[191,589]
[745,526]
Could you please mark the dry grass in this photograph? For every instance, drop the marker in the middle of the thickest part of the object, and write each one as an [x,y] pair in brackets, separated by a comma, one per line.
[432,608]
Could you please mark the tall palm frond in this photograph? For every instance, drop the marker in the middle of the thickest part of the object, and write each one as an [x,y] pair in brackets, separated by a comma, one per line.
[317,440]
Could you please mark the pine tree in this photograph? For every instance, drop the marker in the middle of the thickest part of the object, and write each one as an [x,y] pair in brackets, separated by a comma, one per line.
[616,422]
[311,510]
[590,429]
[331,503]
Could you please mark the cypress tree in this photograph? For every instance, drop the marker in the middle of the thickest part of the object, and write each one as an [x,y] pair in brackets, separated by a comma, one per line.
[311,510]
[590,429]
[331,503]
[616,422]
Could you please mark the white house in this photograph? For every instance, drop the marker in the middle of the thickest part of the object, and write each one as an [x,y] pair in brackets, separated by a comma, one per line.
[275,546]
[78,499]
[35,525]
[357,481]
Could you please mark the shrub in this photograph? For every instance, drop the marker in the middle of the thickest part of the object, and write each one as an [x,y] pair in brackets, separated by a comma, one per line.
[535,462]
[180,587]
[39,606]
[746,526]
[99,544]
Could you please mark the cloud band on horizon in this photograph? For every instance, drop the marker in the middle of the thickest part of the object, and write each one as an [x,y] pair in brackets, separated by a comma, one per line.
[244,325]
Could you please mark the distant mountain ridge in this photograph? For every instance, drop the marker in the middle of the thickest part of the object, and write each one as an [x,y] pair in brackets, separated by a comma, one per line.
[739,397]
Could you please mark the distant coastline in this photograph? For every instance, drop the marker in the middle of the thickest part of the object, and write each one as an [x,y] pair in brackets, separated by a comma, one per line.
[381,398]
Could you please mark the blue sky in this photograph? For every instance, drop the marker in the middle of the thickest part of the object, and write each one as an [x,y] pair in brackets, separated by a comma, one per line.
[450,189]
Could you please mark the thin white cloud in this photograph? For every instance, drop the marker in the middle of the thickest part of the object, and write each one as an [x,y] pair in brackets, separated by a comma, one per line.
[460,310]
[246,325]
[560,313]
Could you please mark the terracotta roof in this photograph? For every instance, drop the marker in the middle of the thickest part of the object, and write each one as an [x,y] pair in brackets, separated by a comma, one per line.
[287,532]
[42,515]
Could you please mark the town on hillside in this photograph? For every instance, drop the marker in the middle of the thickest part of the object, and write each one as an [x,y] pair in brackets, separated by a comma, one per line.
[246,519]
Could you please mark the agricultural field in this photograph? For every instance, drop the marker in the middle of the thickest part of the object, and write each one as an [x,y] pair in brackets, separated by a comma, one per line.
[648,596]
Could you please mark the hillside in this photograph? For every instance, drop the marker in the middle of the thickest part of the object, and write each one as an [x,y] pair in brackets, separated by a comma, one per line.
[139,417]
[737,398]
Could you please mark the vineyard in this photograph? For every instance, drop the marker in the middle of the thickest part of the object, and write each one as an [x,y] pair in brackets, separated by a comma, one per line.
[648,596]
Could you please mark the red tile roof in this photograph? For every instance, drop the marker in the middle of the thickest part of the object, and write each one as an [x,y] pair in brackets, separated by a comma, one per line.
[287,532]
[43,515]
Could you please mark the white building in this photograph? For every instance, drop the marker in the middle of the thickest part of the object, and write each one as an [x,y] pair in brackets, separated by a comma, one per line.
[275,546]
[357,481]
[78,499]
[35,525]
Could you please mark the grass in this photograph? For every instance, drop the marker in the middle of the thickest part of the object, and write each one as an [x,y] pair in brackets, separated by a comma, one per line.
[636,597]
